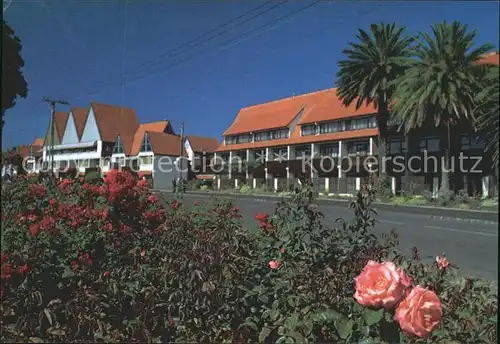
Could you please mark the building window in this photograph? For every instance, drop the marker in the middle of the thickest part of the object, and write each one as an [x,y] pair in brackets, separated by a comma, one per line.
[235,139]
[307,130]
[430,144]
[145,160]
[302,152]
[120,161]
[361,123]
[279,154]
[279,134]
[262,136]
[472,142]
[146,145]
[331,127]
[118,146]
[331,150]
[358,147]
[396,146]
[84,163]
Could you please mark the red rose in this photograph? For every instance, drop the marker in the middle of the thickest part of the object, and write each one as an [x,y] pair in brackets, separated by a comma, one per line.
[22,270]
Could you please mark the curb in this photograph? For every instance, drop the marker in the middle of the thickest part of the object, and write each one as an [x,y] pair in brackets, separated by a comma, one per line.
[433,212]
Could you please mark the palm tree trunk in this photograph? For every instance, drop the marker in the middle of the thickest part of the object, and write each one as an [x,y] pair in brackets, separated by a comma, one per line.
[445,164]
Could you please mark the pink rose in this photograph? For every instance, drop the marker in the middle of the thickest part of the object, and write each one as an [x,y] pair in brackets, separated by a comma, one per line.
[273,264]
[419,312]
[381,285]
[442,263]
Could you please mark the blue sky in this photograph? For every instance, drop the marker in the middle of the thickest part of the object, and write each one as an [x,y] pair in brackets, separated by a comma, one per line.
[81,51]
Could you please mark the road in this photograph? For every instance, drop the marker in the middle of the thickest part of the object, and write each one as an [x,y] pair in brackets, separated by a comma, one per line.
[473,246]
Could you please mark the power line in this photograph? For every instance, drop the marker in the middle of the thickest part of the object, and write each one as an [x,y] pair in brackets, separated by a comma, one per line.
[229,43]
[233,41]
[185,47]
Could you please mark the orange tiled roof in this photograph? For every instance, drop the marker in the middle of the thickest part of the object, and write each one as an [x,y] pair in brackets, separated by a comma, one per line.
[165,144]
[318,106]
[80,117]
[297,139]
[329,107]
[115,120]
[132,147]
[61,119]
[203,144]
[491,58]
[39,141]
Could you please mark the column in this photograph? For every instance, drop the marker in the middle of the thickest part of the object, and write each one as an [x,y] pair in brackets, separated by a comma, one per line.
[236,183]
[340,174]
[327,186]
[218,183]
[485,186]
[229,162]
[275,184]
[254,183]
[435,186]
[393,185]
[247,175]
[358,184]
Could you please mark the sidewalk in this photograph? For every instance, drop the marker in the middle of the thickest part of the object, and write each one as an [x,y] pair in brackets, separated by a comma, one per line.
[432,211]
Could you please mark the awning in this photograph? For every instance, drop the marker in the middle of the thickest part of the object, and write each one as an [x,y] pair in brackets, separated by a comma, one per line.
[75,145]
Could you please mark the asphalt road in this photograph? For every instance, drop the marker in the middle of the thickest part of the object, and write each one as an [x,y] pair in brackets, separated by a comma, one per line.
[473,246]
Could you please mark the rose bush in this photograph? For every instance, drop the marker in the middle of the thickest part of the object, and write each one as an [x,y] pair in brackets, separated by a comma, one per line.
[107,261]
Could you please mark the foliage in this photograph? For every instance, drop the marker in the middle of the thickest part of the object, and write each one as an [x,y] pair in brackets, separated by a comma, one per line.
[440,86]
[487,120]
[246,189]
[13,83]
[93,177]
[370,68]
[108,262]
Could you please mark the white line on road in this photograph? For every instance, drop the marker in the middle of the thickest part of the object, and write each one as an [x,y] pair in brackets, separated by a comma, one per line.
[462,231]
[392,222]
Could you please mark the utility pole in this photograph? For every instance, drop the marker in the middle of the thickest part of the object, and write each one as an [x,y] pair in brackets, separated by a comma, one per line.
[53,103]
[182,152]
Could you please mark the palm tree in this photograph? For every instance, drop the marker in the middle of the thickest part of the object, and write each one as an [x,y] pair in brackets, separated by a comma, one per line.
[488,111]
[440,86]
[368,72]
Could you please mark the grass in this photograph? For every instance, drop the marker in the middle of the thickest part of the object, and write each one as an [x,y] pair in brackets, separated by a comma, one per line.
[490,204]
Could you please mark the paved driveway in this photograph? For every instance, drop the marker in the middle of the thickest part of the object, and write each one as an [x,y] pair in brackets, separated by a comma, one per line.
[472,245]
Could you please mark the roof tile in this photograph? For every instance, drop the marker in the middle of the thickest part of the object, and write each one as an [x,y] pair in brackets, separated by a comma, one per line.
[203,144]
[80,116]
[115,120]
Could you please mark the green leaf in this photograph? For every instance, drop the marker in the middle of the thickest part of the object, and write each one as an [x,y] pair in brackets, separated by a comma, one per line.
[327,316]
[344,327]
[264,333]
[373,317]
[291,321]
[297,337]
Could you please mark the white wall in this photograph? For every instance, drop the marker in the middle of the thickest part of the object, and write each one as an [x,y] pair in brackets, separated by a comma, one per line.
[70,134]
[91,131]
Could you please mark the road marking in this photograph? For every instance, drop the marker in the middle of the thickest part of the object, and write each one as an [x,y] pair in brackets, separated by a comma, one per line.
[392,222]
[462,231]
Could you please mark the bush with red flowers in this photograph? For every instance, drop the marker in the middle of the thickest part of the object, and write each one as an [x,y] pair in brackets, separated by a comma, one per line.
[106,261]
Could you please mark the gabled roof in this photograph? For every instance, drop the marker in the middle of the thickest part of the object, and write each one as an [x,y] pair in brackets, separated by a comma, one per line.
[61,119]
[318,106]
[38,142]
[115,120]
[491,58]
[329,107]
[80,116]
[134,144]
[203,144]
[165,144]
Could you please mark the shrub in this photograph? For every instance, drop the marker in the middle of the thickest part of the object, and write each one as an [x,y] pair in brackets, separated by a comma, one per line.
[384,188]
[109,263]
[245,189]
[93,177]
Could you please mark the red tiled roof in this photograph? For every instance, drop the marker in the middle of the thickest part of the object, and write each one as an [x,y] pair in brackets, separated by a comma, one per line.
[203,144]
[165,144]
[318,106]
[132,147]
[61,119]
[80,117]
[491,58]
[330,107]
[297,139]
[115,120]
[39,141]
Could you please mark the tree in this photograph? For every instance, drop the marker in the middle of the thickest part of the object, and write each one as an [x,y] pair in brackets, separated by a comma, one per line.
[440,86]
[368,72]
[13,83]
[488,111]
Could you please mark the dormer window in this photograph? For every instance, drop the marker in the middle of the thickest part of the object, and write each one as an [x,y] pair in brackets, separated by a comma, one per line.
[118,146]
[308,130]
